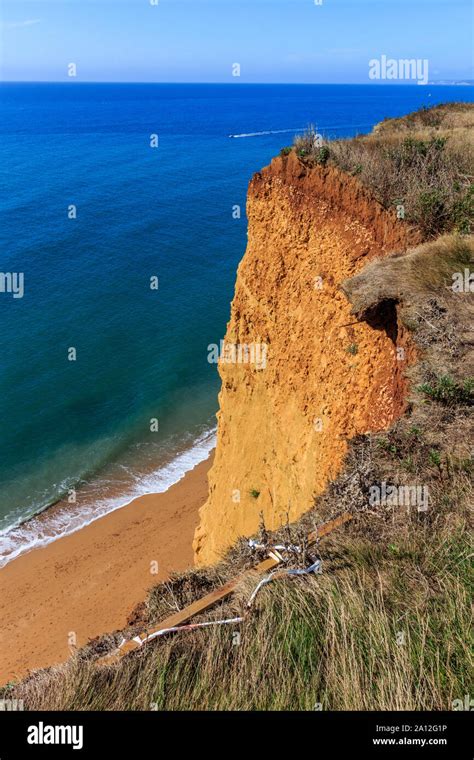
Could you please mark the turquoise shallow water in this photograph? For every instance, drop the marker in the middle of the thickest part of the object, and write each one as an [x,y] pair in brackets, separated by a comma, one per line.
[141,212]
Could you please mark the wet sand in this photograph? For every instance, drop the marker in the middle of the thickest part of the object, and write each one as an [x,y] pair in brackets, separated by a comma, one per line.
[89,582]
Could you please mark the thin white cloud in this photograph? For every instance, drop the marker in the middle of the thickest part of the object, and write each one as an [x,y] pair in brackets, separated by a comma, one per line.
[19,24]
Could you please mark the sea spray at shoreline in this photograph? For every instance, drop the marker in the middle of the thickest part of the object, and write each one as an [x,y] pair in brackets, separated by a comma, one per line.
[64,519]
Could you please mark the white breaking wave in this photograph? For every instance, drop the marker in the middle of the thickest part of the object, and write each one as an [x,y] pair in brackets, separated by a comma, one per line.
[44,529]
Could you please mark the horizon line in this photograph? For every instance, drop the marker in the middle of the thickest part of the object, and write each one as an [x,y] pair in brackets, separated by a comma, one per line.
[385,83]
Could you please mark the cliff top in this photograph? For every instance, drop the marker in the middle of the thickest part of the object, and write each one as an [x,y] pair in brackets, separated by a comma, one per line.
[420,165]
[444,116]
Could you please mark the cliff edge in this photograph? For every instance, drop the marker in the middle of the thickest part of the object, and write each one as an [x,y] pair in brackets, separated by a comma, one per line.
[300,374]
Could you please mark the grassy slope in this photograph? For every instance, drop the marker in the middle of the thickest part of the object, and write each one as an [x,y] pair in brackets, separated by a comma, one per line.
[421,163]
[387,624]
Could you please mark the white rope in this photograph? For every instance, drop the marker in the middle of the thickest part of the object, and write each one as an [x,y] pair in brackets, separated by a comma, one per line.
[279,547]
[188,627]
[314,568]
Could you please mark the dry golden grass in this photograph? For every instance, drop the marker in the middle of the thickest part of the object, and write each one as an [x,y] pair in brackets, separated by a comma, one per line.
[422,163]
[424,270]
[443,116]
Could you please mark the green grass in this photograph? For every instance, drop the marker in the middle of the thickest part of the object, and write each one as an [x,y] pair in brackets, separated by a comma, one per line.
[448,392]
[389,629]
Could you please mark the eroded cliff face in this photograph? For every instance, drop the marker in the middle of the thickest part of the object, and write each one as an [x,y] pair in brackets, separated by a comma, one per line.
[283,428]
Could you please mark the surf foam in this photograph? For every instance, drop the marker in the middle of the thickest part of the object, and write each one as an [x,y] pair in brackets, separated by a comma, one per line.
[50,525]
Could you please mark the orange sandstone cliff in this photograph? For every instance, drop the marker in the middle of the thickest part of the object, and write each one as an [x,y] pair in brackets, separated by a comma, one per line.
[284,423]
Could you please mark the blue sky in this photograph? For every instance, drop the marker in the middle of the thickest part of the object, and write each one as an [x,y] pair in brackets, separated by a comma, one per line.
[199,40]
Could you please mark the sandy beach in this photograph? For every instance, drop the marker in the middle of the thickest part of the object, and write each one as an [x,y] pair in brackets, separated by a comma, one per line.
[89,582]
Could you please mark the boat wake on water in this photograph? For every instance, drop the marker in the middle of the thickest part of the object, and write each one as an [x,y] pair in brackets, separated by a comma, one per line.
[298,129]
[268,132]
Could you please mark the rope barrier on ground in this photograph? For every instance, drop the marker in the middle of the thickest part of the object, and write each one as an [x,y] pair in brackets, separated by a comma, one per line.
[314,568]
[178,621]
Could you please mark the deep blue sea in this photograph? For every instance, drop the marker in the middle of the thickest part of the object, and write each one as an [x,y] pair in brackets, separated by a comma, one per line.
[142,212]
